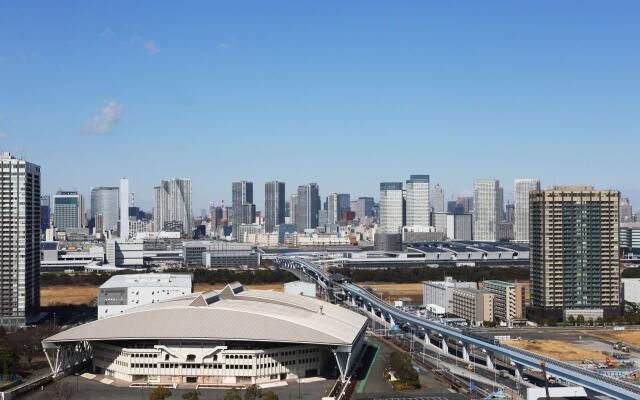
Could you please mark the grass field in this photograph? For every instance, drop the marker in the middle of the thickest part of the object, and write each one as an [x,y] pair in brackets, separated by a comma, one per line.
[559,349]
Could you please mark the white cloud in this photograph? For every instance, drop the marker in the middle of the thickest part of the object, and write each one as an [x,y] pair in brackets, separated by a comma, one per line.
[107,33]
[106,118]
[4,135]
[151,47]
[226,44]
[148,45]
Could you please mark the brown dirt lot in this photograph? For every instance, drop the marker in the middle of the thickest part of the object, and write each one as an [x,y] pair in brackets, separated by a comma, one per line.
[50,295]
[559,349]
[630,337]
[393,291]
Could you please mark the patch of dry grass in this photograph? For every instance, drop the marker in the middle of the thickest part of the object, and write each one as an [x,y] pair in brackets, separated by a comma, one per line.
[50,295]
[630,337]
[394,291]
[559,349]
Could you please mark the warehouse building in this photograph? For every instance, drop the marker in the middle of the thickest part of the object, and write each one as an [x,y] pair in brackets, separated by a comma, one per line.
[122,292]
[211,339]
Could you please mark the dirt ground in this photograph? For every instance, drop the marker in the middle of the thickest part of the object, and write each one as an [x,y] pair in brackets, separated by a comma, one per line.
[394,291]
[630,337]
[50,295]
[558,349]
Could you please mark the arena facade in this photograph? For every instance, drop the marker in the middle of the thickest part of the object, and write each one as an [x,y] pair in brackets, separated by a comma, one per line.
[232,336]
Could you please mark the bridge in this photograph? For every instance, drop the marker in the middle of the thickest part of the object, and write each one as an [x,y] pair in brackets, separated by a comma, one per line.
[376,307]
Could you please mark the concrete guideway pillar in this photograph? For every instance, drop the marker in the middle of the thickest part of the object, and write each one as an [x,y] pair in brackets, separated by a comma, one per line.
[445,344]
[465,352]
[490,361]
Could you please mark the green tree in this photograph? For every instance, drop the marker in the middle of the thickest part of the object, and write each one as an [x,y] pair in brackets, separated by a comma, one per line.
[191,395]
[8,360]
[571,320]
[233,394]
[580,319]
[269,396]
[252,392]
[160,393]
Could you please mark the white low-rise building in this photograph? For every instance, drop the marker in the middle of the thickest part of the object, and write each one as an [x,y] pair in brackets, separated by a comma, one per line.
[441,292]
[630,289]
[125,253]
[123,292]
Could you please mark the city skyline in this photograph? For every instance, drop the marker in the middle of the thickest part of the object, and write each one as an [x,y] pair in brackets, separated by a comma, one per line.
[499,86]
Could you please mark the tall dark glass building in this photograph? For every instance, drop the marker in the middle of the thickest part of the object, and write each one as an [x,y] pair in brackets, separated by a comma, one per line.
[274,205]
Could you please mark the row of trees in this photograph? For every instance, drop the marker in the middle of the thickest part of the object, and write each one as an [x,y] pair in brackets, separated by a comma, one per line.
[414,275]
[407,376]
[19,349]
[252,392]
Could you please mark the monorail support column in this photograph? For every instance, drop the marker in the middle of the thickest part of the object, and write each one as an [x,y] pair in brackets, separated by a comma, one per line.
[445,345]
[518,372]
[465,352]
[490,360]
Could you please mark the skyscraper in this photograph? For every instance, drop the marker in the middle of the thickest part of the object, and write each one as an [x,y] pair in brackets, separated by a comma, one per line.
[124,208]
[418,203]
[522,188]
[390,207]
[293,209]
[45,212]
[244,211]
[104,202]
[574,259]
[626,211]
[437,199]
[19,240]
[500,200]
[486,209]
[274,208]
[363,207]
[337,203]
[68,210]
[308,206]
[172,208]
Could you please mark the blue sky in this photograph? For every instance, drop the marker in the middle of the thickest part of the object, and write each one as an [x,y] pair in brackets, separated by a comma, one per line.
[346,94]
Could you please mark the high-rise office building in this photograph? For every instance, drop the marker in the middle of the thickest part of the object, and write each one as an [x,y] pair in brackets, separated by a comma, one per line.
[19,240]
[273,205]
[500,200]
[104,202]
[418,209]
[390,209]
[466,203]
[45,212]
[391,217]
[172,209]
[626,211]
[124,209]
[437,199]
[522,188]
[363,207]
[293,209]
[574,259]
[244,211]
[68,210]
[337,204]
[308,206]
[486,209]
